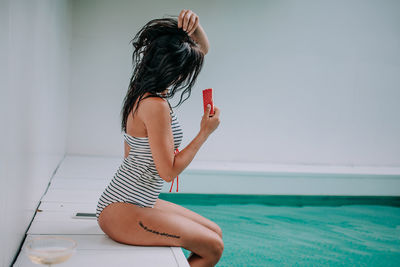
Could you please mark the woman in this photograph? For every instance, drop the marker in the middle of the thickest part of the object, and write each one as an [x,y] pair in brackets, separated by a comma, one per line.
[168,53]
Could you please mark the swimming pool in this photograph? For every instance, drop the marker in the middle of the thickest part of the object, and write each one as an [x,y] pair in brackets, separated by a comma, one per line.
[301,230]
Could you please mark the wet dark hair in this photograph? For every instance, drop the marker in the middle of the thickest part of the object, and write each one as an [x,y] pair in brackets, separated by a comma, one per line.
[164,55]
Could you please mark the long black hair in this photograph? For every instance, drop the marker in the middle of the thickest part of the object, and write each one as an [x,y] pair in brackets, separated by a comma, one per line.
[164,55]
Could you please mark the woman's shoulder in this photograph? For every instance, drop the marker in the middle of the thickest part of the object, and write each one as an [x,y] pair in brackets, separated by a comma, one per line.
[154,105]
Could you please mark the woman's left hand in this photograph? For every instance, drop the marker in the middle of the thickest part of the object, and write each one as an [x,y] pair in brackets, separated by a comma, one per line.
[188,21]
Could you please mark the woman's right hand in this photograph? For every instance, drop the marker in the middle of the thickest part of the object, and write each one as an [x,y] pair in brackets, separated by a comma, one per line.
[209,122]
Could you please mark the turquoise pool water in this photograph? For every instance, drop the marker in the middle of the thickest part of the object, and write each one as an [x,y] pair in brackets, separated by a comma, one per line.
[257,234]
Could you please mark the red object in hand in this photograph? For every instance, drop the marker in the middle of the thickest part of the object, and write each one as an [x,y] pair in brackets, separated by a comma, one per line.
[177,177]
[208,99]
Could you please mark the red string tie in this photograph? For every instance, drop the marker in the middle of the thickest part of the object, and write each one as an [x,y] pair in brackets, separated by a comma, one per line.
[177,177]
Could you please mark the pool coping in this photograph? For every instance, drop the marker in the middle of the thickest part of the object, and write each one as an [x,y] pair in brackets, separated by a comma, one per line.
[278,200]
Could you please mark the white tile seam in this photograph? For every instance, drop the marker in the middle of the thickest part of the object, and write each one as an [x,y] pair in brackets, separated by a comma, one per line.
[173,253]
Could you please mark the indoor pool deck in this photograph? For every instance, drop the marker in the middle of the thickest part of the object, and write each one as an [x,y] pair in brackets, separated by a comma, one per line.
[257,230]
[76,187]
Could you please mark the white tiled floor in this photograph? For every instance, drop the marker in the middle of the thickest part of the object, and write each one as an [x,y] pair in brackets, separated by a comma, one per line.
[76,187]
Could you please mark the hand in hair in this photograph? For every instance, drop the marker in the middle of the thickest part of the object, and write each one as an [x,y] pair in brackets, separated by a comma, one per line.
[188,21]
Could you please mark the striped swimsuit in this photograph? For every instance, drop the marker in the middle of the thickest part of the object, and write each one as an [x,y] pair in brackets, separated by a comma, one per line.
[137,181]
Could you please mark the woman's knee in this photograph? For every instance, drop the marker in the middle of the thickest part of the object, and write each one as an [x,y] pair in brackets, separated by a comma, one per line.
[216,248]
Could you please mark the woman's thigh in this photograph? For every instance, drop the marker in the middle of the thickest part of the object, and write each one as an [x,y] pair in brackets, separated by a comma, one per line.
[130,224]
[175,208]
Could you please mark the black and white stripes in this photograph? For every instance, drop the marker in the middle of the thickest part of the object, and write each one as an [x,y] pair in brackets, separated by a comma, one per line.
[137,181]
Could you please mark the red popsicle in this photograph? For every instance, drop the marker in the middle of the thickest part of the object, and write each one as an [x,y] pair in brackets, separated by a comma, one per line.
[208,99]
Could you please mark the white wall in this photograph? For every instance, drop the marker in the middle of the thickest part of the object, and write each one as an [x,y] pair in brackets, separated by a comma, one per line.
[34,63]
[306,82]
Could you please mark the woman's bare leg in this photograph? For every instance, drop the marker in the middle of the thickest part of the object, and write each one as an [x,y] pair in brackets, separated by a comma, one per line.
[130,224]
[178,209]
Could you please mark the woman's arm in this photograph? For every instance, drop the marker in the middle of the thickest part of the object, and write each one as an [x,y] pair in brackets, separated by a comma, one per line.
[189,22]
[207,126]
[200,37]
[155,113]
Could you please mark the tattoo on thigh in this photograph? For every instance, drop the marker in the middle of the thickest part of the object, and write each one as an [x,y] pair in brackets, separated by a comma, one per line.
[156,232]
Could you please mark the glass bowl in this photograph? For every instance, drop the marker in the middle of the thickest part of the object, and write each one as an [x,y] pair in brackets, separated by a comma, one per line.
[50,249]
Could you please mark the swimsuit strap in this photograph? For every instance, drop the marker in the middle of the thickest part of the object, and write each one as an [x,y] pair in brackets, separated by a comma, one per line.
[170,106]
